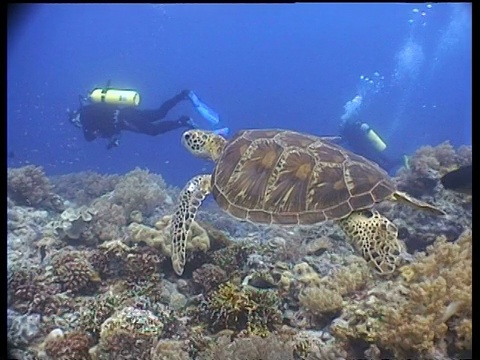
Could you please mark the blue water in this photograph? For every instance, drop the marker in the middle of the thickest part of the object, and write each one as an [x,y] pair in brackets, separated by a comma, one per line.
[292,66]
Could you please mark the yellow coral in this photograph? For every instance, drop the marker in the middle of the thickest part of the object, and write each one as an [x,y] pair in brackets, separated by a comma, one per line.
[351,278]
[407,272]
[320,300]
[159,236]
[306,275]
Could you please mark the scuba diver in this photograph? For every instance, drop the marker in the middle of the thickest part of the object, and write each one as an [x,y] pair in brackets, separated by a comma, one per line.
[107,112]
[363,140]
[107,119]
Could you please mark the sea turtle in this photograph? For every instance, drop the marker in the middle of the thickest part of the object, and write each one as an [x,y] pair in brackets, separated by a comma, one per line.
[276,176]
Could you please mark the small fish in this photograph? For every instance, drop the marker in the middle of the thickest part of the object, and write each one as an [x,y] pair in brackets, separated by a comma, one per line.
[459,180]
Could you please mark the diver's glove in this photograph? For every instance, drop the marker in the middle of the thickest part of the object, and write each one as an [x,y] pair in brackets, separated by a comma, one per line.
[187,121]
[114,142]
[185,94]
[74,117]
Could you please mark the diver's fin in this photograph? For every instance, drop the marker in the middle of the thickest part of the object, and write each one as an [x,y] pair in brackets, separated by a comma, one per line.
[223,131]
[203,109]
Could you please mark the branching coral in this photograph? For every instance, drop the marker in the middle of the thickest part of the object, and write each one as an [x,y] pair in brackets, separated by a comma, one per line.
[242,308]
[28,185]
[208,276]
[427,310]
[232,258]
[95,311]
[323,296]
[29,290]
[22,285]
[116,259]
[74,272]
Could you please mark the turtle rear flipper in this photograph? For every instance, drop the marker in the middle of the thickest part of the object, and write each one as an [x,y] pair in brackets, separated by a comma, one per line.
[376,238]
[404,197]
[189,202]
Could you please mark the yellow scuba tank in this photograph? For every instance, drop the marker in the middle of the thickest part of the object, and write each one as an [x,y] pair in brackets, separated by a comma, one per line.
[115,96]
[373,137]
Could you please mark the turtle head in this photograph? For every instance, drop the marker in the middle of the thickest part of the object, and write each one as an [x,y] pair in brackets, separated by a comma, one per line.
[204,144]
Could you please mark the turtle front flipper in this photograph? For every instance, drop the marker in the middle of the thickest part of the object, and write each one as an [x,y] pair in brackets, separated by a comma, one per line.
[189,202]
[376,238]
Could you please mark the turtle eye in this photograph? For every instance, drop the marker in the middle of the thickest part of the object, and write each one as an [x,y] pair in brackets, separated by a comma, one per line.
[187,136]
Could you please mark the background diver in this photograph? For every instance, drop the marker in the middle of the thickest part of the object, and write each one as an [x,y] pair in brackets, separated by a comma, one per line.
[108,120]
[363,140]
[107,112]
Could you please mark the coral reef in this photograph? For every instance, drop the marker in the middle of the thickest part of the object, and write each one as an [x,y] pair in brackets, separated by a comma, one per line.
[232,258]
[271,347]
[208,276]
[74,272]
[29,186]
[73,345]
[165,349]
[83,187]
[428,164]
[73,221]
[242,308]
[159,237]
[128,334]
[22,329]
[114,259]
[426,311]
[91,277]
[141,191]
[108,222]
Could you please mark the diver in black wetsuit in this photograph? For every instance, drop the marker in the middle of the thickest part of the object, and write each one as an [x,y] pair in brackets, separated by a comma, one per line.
[362,140]
[103,120]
